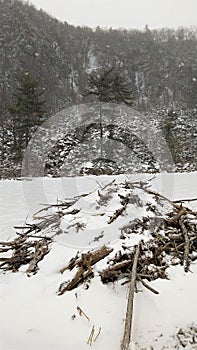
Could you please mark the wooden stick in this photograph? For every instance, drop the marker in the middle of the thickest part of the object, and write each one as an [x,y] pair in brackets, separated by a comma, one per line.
[117,213]
[129,314]
[90,339]
[110,183]
[33,236]
[161,196]
[147,286]
[99,332]
[186,247]
[185,200]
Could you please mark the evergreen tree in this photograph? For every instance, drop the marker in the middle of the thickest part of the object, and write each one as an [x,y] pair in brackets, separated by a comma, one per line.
[110,86]
[27,112]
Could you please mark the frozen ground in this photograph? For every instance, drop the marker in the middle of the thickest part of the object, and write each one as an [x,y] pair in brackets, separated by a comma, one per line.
[33,316]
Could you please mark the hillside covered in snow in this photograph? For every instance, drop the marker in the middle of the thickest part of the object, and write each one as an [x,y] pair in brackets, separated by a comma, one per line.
[159,65]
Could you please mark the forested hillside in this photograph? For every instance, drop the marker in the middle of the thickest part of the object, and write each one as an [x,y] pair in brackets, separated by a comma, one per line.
[160,65]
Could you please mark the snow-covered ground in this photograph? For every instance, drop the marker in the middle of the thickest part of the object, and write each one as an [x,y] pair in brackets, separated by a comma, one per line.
[33,316]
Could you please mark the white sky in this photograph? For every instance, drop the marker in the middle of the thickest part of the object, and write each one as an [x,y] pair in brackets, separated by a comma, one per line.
[123,13]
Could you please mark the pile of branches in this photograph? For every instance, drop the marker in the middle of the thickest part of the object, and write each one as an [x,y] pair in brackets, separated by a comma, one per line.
[173,242]
[26,249]
[172,239]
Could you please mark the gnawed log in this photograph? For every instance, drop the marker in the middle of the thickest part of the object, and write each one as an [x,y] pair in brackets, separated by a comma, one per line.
[84,265]
[89,258]
[79,277]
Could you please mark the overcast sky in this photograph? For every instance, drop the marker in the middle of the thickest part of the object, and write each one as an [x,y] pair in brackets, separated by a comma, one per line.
[123,13]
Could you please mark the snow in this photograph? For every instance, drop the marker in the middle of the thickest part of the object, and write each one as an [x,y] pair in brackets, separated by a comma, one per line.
[33,316]
[92,61]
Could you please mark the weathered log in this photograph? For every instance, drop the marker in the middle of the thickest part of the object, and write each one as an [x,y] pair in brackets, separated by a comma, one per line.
[186,246]
[112,272]
[129,314]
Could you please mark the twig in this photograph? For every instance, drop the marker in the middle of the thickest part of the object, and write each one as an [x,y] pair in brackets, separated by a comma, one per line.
[161,196]
[99,332]
[33,236]
[185,200]
[117,213]
[58,205]
[110,183]
[81,312]
[90,339]
[129,314]
[147,286]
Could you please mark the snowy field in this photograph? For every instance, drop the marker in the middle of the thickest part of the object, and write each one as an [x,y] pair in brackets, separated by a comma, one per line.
[34,317]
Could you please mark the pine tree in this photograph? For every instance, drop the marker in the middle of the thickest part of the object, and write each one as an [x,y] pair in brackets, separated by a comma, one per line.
[110,86]
[27,112]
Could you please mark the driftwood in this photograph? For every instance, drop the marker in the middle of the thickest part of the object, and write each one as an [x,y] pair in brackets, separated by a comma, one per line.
[129,314]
